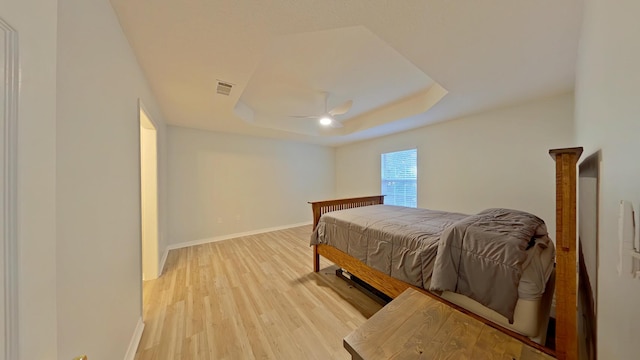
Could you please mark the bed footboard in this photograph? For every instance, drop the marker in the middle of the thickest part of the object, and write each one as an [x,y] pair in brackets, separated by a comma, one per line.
[322,207]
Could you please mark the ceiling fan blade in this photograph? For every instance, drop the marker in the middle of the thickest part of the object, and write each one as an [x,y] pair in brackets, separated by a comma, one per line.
[341,109]
[336,124]
[305,116]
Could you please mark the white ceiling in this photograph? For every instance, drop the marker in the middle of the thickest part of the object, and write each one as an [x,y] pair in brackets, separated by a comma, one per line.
[404,64]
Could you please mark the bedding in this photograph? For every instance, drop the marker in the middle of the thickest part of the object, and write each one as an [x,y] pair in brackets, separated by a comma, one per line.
[417,246]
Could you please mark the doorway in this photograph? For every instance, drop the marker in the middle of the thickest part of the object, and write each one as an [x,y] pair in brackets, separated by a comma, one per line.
[149,195]
[588,257]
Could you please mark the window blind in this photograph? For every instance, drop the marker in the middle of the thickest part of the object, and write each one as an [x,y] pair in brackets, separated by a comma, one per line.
[399,180]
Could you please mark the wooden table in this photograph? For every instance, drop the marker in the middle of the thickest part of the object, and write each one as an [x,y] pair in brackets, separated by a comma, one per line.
[415,326]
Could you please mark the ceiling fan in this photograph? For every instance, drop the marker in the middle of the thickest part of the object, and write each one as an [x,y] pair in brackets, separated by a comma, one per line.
[328,117]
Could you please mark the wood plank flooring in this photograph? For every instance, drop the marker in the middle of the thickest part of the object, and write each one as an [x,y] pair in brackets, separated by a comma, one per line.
[254,297]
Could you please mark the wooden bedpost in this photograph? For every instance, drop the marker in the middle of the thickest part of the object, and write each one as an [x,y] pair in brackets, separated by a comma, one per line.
[566,260]
[316,259]
[316,217]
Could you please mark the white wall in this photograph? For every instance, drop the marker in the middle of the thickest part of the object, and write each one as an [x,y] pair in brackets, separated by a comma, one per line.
[98,182]
[494,159]
[221,184]
[608,118]
[35,21]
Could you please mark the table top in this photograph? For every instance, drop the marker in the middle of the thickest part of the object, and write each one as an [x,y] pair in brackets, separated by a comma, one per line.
[416,326]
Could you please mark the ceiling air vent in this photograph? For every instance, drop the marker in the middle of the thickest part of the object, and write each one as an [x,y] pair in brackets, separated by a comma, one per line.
[224,88]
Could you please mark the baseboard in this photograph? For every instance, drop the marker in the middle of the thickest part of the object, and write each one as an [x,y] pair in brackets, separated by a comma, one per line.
[233,236]
[163,261]
[135,341]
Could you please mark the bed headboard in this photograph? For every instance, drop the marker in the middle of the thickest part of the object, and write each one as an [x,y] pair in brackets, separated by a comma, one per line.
[321,207]
[566,260]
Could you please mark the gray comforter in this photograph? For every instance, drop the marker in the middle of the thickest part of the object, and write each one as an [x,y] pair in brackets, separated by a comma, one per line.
[479,256]
[482,255]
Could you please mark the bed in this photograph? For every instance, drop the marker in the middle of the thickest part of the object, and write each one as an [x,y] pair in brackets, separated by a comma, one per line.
[422,248]
[526,320]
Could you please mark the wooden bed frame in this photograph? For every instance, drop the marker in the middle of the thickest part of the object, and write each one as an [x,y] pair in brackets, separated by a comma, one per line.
[566,261]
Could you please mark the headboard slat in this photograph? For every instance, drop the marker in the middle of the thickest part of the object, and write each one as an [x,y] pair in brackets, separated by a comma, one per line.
[322,207]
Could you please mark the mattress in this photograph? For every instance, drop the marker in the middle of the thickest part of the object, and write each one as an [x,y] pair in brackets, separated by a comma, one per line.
[531,315]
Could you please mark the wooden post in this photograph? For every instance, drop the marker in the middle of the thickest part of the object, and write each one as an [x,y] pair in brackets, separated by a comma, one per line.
[316,259]
[566,260]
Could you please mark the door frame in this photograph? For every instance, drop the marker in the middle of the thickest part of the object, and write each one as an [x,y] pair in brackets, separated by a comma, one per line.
[142,109]
[9,208]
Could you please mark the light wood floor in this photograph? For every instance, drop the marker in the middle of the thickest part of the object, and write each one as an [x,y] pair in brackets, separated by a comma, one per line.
[254,297]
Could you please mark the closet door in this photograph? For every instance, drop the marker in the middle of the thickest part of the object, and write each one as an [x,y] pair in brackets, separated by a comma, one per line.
[8,190]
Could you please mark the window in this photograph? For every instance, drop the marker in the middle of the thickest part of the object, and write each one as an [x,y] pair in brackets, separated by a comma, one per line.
[400,178]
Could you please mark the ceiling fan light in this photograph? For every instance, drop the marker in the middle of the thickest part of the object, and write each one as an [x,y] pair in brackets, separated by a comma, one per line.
[325,121]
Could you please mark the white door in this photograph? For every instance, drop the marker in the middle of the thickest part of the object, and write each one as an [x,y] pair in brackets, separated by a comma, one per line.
[8,246]
[3,91]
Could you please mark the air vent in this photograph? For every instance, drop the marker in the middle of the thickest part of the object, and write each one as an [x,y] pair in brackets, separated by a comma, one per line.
[224,88]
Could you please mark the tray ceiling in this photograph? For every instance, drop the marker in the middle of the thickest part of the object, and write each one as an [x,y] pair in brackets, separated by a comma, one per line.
[404,64]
